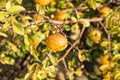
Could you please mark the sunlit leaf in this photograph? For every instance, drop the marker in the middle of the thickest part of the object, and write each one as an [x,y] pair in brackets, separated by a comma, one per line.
[17,28]
[6,26]
[73,19]
[116,58]
[117,76]
[27,40]
[113,22]
[7,60]
[42,74]
[40,9]
[16,9]
[52,75]
[52,59]
[74,27]
[8,4]
[85,23]
[28,75]
[38,36]
[3,34]
[2,18]
[34,53]
[92,4]
[104,68]
[78,73]
[80,15]
[13,47]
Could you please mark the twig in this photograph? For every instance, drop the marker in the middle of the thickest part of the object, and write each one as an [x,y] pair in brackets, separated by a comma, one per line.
[67,52]
[70,21]
[109,38]
[103,27]
[78,9]
[109,45]
[55,22]
[65,64]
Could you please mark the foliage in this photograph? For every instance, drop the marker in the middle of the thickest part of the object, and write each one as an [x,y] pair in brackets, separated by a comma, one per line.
[23,33]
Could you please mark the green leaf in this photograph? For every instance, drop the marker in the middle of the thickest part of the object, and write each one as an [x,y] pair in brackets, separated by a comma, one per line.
[53,59]
[20,54]
[89,42]
[17,28]
[27,40]
[34,52]
[8,4]
[74,27]
[38,36]
[116,58]
[114,30]
[80,15]
[16,9]
[78,73]
[52,75]
[40,9]
[73,19]
[67,27]
[113,19]
[9,60]
[2,18]
[5,26]
[117,76]
[50,68]
[28,75]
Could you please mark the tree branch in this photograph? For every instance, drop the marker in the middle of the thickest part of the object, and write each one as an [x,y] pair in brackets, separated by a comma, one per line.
[62,22]
[77,41]
[109,38]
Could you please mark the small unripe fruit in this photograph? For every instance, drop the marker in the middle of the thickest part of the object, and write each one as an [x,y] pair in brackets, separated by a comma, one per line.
[60,16]
[105,11]
[43,2]
[57,42]
[95,35]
